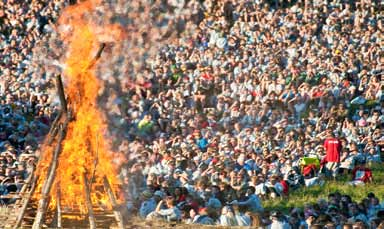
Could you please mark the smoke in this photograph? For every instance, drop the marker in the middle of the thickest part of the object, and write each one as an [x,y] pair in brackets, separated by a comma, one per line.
[148,25]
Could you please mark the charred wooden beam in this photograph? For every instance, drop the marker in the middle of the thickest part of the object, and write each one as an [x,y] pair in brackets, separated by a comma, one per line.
[101,49]
[88,202]
[118,215]
[20,217]
[43,202]
[97,56]
[60,92]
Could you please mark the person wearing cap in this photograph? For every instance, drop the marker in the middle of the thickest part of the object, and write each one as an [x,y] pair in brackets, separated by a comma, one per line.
[148,205]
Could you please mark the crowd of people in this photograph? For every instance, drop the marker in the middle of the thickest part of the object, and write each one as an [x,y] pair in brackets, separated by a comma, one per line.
[259,100]
[338,211]
[221,104]
[25,92]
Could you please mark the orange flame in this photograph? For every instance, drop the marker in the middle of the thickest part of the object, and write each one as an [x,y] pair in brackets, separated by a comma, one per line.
[85,150]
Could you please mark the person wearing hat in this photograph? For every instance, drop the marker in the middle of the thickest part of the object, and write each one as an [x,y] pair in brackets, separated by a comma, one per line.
[148,205]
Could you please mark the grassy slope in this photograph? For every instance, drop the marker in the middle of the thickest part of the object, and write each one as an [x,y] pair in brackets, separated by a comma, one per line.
[311,195]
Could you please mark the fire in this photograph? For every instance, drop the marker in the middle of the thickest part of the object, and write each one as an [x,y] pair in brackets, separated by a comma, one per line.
[85,149]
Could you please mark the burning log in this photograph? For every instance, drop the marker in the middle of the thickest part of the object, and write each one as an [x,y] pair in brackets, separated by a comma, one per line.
[88,201]
[63,103]
[116,212]
[60,92]
[101,48]
[26,202]
[43,202]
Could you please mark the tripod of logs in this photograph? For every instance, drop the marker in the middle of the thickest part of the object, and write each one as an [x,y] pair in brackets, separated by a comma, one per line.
[56,136]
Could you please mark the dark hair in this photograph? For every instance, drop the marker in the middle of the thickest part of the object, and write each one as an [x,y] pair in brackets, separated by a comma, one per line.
[252,188]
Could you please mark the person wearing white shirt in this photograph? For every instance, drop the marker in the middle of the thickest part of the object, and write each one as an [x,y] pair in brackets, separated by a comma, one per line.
[253,202]
[278,222]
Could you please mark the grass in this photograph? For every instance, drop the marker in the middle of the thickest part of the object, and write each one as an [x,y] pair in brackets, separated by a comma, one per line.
[299,198]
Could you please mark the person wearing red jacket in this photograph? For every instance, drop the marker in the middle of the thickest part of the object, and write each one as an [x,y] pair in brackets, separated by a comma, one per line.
[332,146]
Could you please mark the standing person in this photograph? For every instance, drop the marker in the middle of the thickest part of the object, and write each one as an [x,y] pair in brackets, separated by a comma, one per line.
[332,146]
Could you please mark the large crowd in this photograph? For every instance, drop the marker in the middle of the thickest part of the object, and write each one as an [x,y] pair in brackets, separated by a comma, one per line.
[25,92]
[221,105]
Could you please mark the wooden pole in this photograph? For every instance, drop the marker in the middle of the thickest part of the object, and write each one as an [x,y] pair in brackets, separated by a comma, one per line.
[20,217]
[54,128]
[27,183]
[43,202]
[88,202]
[97,56]
[60,92]
[58,206]
[116,212]
[101,48]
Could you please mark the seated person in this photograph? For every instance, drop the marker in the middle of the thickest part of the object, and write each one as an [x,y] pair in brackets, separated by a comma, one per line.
[361,174]
[252,202]
[274,187]
[169,212]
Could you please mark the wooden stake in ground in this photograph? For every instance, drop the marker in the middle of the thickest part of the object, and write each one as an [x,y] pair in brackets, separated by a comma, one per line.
[116,212]
[88,202]
[43,202]
[58,206]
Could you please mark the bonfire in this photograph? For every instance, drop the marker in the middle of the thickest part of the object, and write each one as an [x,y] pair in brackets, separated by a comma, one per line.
[75,172]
